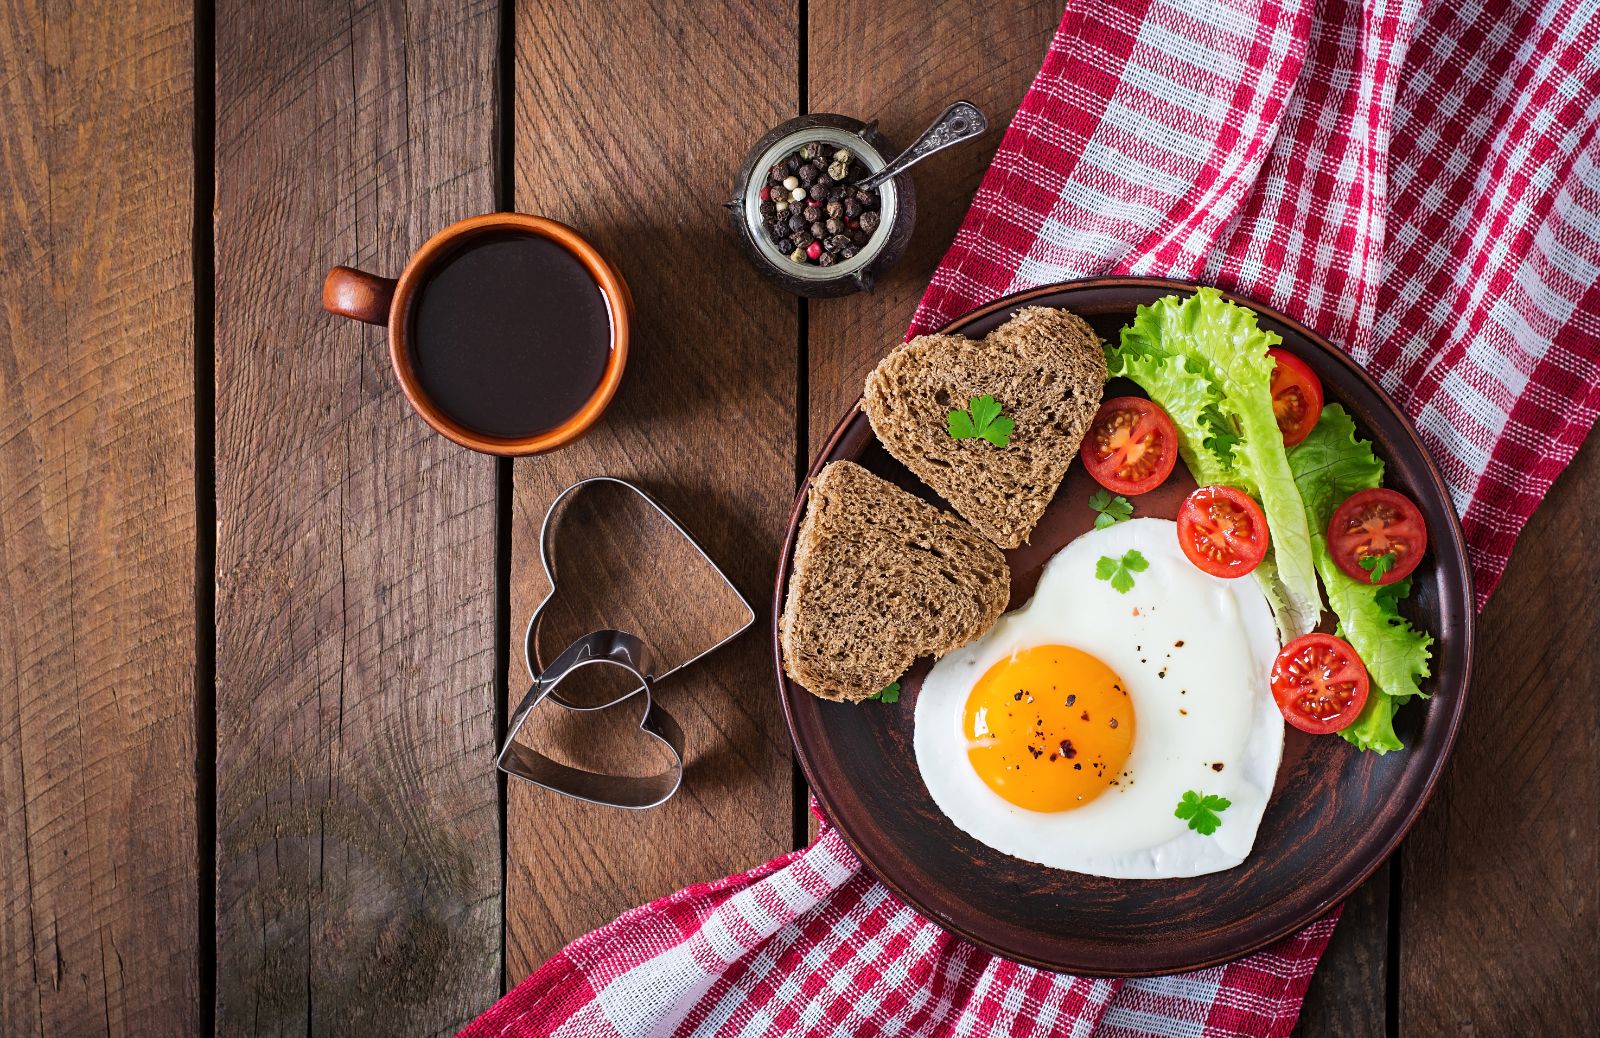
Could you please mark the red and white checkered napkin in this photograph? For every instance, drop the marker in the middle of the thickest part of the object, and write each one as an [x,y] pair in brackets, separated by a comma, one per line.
[1422,186]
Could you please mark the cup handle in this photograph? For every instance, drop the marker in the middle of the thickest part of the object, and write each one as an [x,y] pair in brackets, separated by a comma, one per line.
[354,293]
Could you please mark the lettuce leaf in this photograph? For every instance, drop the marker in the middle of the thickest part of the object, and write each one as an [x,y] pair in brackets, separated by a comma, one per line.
[1205,361]
[1329,465]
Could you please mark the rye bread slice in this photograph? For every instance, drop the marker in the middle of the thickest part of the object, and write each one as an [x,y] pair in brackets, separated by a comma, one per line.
[881,578]
[1046,368]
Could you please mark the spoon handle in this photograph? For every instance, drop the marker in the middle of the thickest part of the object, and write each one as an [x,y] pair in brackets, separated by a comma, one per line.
[961,121]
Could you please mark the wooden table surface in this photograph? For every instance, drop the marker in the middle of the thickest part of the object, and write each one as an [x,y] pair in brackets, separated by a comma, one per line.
[259,623]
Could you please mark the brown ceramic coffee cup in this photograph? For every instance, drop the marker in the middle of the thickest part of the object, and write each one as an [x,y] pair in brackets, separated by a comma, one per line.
[390,301]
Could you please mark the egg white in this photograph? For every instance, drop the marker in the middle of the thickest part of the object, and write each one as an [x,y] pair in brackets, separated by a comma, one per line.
[1218,676]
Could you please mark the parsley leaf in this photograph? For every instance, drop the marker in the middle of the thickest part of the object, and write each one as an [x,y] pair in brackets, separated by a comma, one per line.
[889,693]
[1113,510]
[1378,565]
[982,420]
[1120,571]
[1201,811]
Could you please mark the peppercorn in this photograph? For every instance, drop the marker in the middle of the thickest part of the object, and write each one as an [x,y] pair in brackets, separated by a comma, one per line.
[778,228]
[796,222]
[818,192]
[808,151]
[792,164]
[797,195]
[790,183]
[864,197]
[767,209]
[813,212]
[798,255]
[837,193]
[801,239]
[776,174]
[818,230]
[814,249]
[849,251]
[839,170]
[808,175]
[833,226]
[784,245]
[852,208]
[869,221]
[837,242]
[825,180]
[842,155]
[781,205]
[858,236]
[835,210]
[825,260]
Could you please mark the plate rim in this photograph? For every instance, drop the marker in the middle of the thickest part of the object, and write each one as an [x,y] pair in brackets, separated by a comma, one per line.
[1467,649]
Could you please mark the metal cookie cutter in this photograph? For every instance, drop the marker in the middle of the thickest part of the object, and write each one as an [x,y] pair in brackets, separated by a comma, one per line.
[611,648]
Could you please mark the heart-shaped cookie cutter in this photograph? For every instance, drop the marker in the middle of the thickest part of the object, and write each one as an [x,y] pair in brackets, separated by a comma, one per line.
[604,647]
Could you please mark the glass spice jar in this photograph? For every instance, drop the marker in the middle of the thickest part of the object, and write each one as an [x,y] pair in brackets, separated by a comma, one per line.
[897,207]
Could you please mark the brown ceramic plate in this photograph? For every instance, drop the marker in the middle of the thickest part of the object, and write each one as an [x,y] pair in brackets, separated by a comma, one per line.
[1335,813]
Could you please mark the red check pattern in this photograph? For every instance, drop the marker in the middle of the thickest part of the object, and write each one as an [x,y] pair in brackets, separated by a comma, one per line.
[1420,182]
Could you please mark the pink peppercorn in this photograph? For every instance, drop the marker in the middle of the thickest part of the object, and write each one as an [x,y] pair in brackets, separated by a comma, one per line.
[766,194]
[814,249]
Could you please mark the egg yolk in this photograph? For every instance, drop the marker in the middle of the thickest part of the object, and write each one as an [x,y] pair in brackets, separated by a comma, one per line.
[1049,728]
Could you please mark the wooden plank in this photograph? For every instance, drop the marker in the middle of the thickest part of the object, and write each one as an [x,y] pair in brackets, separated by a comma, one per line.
[1500,920]
[98,845]
[358,841]
[629,126]
[901,64]
[1348,997]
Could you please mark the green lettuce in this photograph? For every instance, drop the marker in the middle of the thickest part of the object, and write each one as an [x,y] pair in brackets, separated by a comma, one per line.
[1329,465]
[1205,362]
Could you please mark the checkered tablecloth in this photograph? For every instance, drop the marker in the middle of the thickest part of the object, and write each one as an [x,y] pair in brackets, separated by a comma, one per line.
[1418,182]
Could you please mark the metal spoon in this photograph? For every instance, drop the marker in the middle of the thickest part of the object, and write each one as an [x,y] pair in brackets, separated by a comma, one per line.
[961,121]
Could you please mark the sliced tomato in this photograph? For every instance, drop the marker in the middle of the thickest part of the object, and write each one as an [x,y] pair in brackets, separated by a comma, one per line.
[1223,531]
[1131,445]
[1382,526]
[1296,396]
[1320,683]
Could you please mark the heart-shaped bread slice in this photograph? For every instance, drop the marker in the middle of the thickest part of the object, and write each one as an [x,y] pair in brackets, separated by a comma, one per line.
[881,578]
[1045,368]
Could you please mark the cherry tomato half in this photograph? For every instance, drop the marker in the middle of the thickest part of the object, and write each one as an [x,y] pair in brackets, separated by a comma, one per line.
[1379,525]
[1296,396]
[1131,445]
[1222,531]
[1320,683]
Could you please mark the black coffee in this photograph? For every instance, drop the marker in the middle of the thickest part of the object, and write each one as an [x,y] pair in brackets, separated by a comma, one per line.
[510,335]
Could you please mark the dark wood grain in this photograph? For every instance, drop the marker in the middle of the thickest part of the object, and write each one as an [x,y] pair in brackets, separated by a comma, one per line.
[98,862]
[1349,992]
[1500,914]
[1334,814]
[629,125]
[358,872]
[902,63]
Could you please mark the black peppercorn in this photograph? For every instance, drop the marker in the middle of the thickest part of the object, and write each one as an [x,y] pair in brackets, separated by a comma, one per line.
[812,212]
[834,226]
[858,236]
[818,192]
[776,174]
[825,180]
[818,230]
[825,260]
[852,209]
[796,222]
[767,209]
[869,220]
[837,242]
[848,252]
[808,175]
[778,229]
[792,164]
[784,245]
[837,193]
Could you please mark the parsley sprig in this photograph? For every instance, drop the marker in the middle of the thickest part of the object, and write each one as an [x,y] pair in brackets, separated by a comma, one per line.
[1378,565]
[1120,571]
[1202,811]
[1113,510]
[982,420]
[889,693]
